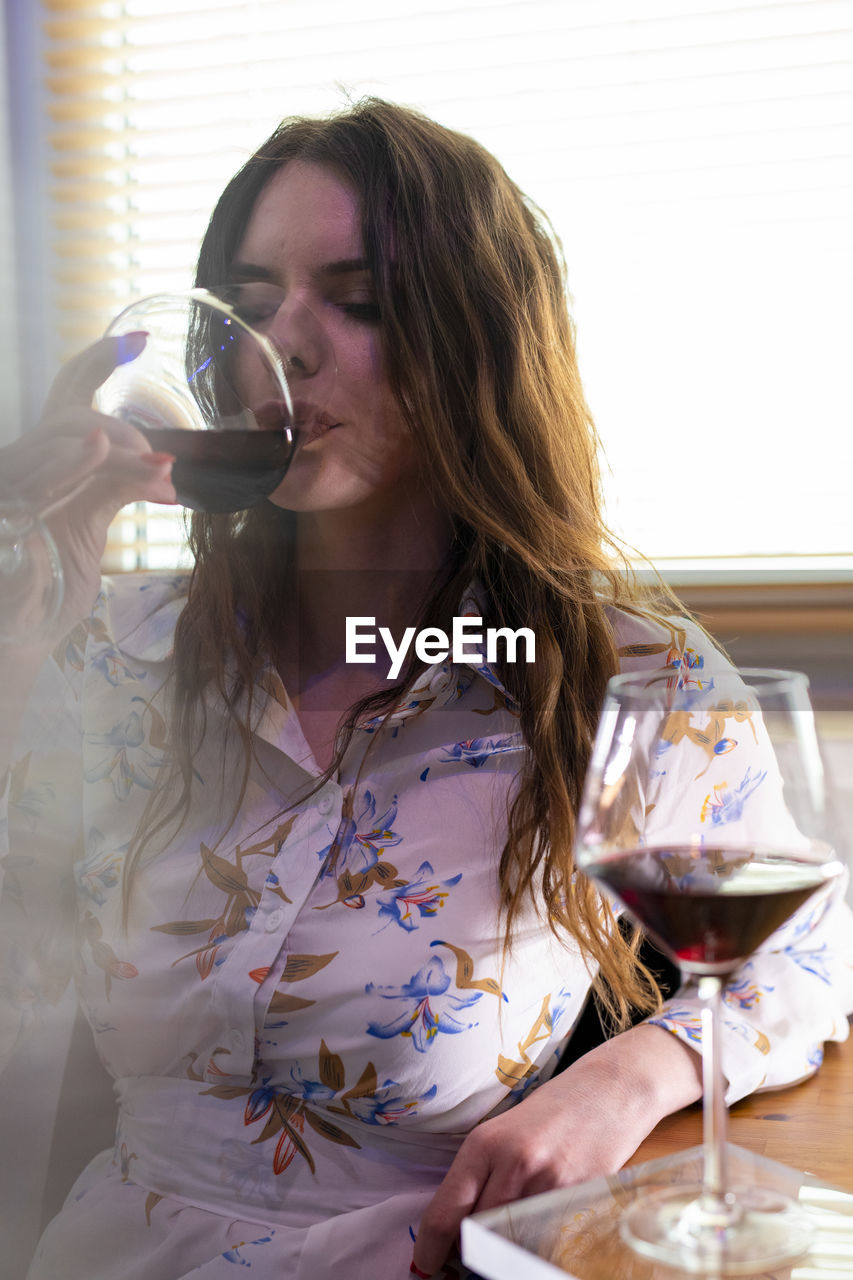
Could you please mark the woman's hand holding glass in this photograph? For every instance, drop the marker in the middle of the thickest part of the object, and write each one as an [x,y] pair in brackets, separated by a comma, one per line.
[191,404]
[60,486]
[211,387]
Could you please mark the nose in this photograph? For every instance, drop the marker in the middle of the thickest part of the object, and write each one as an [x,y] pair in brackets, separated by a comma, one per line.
[298,336]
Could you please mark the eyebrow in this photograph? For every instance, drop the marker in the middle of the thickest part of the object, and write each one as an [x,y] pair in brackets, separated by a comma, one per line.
[342,267]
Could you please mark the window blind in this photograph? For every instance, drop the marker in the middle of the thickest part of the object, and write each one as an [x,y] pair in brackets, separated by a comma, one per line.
[696,160]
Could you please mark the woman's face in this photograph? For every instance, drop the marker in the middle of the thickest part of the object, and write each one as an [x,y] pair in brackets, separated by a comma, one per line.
[353,447]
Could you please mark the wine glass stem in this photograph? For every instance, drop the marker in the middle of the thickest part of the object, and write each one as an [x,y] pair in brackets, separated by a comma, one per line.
[714,1181]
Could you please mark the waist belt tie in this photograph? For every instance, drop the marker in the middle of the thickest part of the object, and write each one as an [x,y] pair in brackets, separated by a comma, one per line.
[178,1139]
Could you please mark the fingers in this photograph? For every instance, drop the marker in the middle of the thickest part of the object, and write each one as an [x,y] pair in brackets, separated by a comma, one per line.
[454,1200]
[44,468]
[34,472]
[503,1160]
[72,441]
[80,421]
[78,380]
[125,477]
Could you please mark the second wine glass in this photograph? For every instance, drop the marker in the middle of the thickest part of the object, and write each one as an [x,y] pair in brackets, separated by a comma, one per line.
[706,814]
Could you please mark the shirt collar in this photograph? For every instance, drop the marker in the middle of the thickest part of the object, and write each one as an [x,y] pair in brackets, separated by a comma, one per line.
[473,606]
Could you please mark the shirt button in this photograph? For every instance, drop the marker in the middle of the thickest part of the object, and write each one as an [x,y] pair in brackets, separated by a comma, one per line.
[440,680]
[325,804]
[273,921]
[238,1042]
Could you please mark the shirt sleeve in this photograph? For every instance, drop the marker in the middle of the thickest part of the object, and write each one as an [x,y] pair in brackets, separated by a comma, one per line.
[796,990]
[40,832]
[792,995]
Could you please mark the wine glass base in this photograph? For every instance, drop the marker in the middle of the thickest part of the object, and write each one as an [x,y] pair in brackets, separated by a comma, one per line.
[761,1229]
[577,1231]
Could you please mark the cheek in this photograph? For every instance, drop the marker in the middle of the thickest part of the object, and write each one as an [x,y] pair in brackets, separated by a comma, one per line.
[246,374]
[372,392]
[388,433]
[361,360]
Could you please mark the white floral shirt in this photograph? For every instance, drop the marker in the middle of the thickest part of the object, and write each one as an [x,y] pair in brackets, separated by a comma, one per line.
[305,1017]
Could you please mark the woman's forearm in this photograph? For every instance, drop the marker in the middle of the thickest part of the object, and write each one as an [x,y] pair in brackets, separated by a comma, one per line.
[584,1123]
[645,1070]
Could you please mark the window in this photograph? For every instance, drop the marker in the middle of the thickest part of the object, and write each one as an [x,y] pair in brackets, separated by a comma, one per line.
[693,155]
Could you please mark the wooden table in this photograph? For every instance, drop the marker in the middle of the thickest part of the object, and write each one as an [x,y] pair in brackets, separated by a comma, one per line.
[808,1127]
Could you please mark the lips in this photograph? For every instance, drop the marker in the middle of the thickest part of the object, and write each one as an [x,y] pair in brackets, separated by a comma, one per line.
[307,421]
[310,422]
[273,415]
[306,432]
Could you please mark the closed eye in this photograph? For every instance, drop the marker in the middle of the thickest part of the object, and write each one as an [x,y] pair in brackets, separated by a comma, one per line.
[253,301]
[368,312]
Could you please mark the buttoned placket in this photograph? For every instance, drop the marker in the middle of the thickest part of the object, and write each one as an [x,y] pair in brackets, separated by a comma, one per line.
[263,946]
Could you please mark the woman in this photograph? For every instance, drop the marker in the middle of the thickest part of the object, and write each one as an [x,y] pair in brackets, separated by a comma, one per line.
[329,940]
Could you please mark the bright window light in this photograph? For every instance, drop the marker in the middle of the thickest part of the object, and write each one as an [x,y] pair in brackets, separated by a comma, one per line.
[695,158]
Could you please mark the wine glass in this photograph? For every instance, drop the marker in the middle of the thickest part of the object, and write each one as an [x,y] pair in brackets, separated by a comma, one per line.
[706,815]
[211,386]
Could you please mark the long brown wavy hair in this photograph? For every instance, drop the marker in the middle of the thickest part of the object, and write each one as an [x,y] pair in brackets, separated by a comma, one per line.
[479,349]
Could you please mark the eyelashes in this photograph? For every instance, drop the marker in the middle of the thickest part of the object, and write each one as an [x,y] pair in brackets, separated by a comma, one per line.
[257,303]
[367,312]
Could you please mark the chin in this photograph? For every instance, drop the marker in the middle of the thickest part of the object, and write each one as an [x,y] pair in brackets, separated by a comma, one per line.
[311,490]
[310,500]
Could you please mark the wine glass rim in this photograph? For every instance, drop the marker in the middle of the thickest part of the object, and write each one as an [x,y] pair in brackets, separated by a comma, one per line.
[766,678]
[210,298]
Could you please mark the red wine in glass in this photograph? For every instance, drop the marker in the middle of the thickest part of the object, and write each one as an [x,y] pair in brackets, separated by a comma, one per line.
[709,908]
[198,385]
[219,471]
